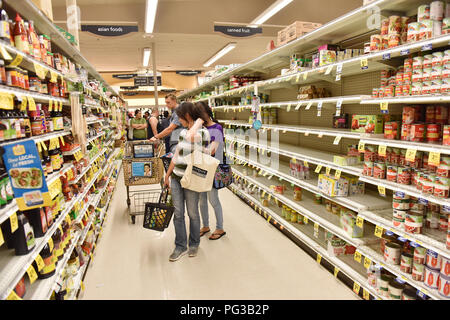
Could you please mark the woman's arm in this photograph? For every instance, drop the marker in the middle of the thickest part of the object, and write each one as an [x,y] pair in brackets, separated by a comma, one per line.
[153,125]
[170,169]
[213,146]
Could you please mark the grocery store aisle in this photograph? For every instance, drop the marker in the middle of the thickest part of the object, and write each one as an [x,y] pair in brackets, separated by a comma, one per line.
[253,261]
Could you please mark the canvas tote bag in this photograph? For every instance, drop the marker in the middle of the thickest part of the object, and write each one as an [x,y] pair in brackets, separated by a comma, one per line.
[200,172]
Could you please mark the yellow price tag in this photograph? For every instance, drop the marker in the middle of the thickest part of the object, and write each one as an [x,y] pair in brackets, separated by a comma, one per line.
[357,256]
[92,257]
[366,294]
[356,288]
[305,219]
[32,274]
[268,219]
[14,222]
[316,227]
[337,139]
[318,258]
[318,168]
[336,271]
[2,240]
[359,221]
[364,63]
[378,231]
[5,54]
[410,155]
[294,160]
[54,77]
[50,244]
[7,101]
[13,296]
[82,285]
[305,75]
[39,262]
[306,164]
[328,171]
[40,71]
[382,150]
[434,158]
[17,61]
[24,103]
[361,146]
[367,262]
[337,174]
[382,190]
[31,104]
[384,106]
[297,78]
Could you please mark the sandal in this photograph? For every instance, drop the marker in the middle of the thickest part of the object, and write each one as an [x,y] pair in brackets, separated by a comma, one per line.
[217,236]
[202,233]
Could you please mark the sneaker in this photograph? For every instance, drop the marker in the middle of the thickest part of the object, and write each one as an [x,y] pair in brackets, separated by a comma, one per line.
[193,251]
[177,254]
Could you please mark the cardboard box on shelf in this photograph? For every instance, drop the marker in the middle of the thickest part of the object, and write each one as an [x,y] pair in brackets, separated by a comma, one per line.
[46,7]
[295,30]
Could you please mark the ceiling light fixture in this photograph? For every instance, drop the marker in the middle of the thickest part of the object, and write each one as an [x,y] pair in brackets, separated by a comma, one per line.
[269,12]
[150,15]
[146,60]
[220,54]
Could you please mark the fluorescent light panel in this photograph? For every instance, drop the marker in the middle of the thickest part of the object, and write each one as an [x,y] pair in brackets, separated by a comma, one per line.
[150,15]
[269,12]
[220,54]
[146,60]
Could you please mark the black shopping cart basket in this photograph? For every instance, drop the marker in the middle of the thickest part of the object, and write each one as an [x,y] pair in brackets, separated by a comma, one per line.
[157,216]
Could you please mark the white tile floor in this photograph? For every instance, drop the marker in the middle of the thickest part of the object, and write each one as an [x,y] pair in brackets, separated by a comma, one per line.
[253,261]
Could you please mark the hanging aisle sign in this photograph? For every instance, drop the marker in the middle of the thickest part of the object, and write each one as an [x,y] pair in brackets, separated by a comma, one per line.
[24,168]
[125,76]
[234,31]
[109,30]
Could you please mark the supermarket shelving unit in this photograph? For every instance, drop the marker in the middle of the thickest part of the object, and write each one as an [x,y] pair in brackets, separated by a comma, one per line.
[12,267]
[307,135]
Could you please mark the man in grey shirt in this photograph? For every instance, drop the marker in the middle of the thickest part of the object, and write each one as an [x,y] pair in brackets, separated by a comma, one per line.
[175,126]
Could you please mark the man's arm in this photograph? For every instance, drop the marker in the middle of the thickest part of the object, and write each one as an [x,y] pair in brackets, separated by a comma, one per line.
[165,132]
[154,126]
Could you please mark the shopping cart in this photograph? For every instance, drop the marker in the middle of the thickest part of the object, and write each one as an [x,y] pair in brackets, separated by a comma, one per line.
[143,170]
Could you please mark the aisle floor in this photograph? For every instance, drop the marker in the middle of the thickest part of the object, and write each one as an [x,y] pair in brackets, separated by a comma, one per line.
[253,261]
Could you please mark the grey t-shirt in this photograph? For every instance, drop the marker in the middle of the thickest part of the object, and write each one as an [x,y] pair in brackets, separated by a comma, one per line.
[175,133]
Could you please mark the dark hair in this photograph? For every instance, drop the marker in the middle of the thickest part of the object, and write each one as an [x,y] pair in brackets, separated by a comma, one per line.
[207,109]
[146,165]
[171,96]
[147,113]
[136,112]
[166,114]
[185,108]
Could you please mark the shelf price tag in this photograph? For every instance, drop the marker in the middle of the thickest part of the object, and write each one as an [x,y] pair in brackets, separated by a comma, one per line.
[357,256]
[378,231]
[54,77]
[305,219]
[308,106]
[17,61]
[386,56]
[40,71]
[2,240]
[305,163]
[305,76]
[367,263]
[337,139]
[338,107]
[356,287]
[434,158]
[318,168]
[338,77]
[316,230]
[297,78]
[319,108]
[329,69]
[404,52]
[339,68]
[384,107]
[366,294]
[337,174]
[39,262]
[268,219]
[288,107]
[82,285]
[298,105]
[360,221]
[382,191]
[319,258]
[382,150]
[50,244]
[13,296]
[410,155]
[32,274]
[427,47]
[364,64]
[361,146]
[336,271]
[327,171]
[14,222]
[31,104]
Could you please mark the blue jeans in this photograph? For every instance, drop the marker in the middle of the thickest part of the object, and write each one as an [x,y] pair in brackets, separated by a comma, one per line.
[181,196]
[213,196]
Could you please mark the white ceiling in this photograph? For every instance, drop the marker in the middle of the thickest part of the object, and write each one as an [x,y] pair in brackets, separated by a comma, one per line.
[184,36]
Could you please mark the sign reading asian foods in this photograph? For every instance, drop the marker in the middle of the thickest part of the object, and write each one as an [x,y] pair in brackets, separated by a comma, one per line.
[109,30]
[234,31]
[125,76]
[24,168]
[188,72]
